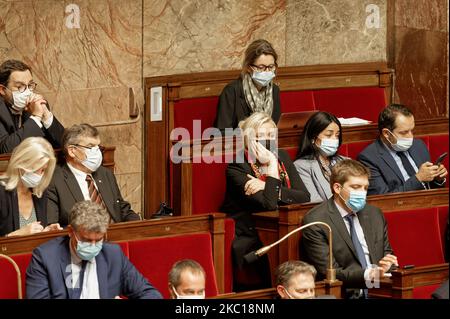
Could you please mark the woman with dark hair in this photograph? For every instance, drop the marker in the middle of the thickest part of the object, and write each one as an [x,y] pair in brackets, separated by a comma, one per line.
[253,91]
[317,154]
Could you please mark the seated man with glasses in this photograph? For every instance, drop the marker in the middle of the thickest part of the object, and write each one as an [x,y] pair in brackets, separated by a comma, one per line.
[82,177]
[23,113]
[84,266]
[253,91]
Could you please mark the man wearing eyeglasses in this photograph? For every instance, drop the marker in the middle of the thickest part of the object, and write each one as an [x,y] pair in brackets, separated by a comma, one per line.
[83,178]
[84,266]
[23,113]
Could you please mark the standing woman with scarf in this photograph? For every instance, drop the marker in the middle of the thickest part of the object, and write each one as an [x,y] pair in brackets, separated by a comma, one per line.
[253,91]
[262,178]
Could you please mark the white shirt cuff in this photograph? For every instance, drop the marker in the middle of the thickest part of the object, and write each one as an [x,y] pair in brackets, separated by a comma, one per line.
[49,121]
[366,274]
[37,120]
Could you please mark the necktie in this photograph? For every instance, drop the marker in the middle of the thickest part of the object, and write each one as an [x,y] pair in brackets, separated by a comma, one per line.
[406,164]
[93,192]
[79,286]
[357,245]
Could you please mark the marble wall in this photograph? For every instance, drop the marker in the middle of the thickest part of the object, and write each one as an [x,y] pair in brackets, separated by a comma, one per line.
[86,72]
[421,56]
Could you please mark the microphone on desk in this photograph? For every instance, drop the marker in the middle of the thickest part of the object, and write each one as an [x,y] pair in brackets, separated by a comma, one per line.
[331,272]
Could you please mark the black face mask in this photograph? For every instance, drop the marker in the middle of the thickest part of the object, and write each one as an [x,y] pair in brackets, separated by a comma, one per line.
[270,145]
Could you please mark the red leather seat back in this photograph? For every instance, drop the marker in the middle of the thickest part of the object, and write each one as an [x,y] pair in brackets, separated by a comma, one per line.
[8,276]
[187,110]
[353,149]
[124,246]
[415,236]
[155,257]
[424,292]
[296,101]
[208,185]
[362,102]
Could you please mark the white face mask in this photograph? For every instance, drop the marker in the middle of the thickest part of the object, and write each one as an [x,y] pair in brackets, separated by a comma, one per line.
[20,99]
[202,296]
[329,146]
[263,78]
[403,143]
[31,179]
[93,159]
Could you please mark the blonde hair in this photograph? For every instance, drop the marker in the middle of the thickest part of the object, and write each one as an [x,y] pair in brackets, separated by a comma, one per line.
[251,124]
[30,155]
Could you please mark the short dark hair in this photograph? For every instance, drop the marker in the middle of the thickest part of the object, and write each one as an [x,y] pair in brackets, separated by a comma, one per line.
[316,124]
[344,169]
[255,50]
[387,117]
[8,67]
[182,265]
[73,134]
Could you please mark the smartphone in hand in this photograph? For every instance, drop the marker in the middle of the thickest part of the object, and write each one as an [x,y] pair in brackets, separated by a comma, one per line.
[440,158]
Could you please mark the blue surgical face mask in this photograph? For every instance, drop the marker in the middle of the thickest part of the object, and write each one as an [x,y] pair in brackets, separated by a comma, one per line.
[88,251]
[31,179]
[263,78]
[93,159]
[329,146]
[356,201]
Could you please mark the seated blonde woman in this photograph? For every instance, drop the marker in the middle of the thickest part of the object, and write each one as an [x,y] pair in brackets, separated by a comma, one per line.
[261,179]
[23,200]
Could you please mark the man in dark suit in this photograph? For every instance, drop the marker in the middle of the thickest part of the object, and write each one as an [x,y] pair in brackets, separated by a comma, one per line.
[361,249]
[397,161]
[22,112]
[83,178]
[82,265]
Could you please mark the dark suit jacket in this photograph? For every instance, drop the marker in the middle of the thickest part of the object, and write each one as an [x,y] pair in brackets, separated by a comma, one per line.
[49,270]
[9,210]
[314,242]
[385,176]
[240,206]
[233,108]
[11,135]
[64,192]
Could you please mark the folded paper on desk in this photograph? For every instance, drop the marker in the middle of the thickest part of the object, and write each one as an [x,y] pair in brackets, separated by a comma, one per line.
[353,121]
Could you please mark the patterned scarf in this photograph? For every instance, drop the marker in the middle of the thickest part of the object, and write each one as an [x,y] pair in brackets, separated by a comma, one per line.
[284,177]
[259,101]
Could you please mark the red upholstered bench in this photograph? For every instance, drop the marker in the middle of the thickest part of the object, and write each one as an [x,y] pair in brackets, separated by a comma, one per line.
[154,258]
[416,236]
[8,277]
[297,101]
[362,102]
[188,110]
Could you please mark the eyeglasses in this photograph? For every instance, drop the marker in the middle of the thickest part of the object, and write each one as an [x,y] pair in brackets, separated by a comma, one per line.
[262,67]
[31,86]
[101,147]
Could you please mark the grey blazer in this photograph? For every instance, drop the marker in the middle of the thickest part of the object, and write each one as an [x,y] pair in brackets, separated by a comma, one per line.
[312,176]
